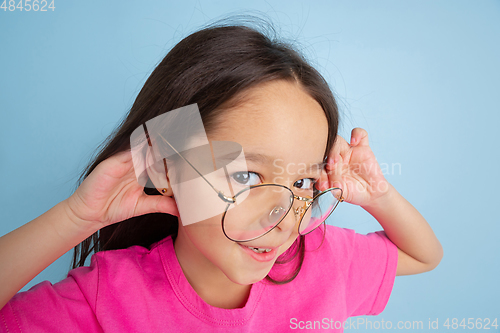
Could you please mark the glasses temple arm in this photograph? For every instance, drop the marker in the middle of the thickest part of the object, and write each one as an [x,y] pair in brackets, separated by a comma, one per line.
[219,193]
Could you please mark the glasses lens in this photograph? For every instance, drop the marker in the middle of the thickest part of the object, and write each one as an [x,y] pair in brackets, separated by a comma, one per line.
[263,208]
[322,206]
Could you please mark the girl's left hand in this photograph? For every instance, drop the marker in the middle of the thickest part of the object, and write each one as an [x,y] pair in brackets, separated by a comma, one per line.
[354,168]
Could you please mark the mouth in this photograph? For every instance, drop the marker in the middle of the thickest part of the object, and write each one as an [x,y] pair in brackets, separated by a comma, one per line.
[260,249]
[261,254]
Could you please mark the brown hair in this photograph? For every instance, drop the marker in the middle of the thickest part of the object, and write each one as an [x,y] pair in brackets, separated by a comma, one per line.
[211,67]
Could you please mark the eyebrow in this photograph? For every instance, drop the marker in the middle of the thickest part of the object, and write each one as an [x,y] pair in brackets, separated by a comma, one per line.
[258,158]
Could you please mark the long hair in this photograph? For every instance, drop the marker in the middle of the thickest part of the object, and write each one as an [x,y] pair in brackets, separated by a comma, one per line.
[211,67]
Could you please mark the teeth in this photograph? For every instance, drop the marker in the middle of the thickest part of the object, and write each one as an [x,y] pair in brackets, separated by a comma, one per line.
[259,249]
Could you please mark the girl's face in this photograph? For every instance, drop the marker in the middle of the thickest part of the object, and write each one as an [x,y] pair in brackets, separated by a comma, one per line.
[287,130]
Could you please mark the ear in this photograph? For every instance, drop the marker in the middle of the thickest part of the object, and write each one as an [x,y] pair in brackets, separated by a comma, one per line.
[158,173]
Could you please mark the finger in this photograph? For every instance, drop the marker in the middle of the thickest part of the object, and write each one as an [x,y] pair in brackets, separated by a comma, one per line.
[117,165]
[124,156]
[339,148]
[340,144]
[338,184]
[132,165]
[156,204]
[359,137]
[335,172]
[335,179]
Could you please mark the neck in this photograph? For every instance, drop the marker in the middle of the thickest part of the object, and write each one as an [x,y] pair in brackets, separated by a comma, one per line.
[209,282]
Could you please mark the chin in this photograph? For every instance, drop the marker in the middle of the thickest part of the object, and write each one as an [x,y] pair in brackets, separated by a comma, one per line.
[249,281]
[248,277]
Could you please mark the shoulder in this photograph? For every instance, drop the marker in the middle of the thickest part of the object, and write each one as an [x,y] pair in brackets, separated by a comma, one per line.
[113,286]
[345,241]
[114,259]
[123,266]
[128,279]
[348,250]
[363,266]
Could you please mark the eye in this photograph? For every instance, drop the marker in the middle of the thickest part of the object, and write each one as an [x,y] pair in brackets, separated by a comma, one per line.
[305,183]
[246,178]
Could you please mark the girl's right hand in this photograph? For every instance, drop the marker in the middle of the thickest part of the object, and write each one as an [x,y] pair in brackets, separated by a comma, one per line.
[111,194]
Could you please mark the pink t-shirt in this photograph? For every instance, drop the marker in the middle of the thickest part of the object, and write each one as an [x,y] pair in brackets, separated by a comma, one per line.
[141,290]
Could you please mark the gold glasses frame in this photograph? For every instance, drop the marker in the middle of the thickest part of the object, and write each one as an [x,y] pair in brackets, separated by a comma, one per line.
[299,211]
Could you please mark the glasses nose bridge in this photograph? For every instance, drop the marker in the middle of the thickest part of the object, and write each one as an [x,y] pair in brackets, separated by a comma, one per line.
[293,221]
[300,211]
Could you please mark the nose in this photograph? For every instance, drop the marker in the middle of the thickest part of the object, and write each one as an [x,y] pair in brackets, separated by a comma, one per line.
[292,218]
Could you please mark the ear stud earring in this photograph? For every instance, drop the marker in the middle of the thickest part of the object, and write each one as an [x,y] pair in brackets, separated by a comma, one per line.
[163,190]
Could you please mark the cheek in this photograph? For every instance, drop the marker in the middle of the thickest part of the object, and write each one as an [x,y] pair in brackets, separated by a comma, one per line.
[289,242]
[208,237]
[205,232]
[196,200]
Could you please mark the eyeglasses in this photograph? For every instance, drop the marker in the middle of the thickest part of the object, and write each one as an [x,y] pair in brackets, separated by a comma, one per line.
[256,210]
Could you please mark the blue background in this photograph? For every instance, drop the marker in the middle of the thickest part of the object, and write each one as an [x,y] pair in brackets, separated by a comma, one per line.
[422,77]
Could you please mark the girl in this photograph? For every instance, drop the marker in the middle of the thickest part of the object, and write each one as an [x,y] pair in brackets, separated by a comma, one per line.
[264,263]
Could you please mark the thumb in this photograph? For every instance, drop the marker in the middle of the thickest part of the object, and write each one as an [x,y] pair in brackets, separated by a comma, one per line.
[336,183]
[359,137]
